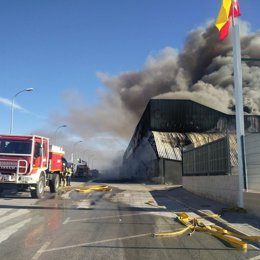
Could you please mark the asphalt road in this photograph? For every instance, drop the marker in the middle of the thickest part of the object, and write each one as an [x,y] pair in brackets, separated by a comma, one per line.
[118,224]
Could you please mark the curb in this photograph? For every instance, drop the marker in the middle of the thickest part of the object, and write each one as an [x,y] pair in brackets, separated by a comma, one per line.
[224,224]
[218,221]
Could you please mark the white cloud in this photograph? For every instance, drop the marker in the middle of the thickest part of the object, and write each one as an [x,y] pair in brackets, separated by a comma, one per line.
[8,103]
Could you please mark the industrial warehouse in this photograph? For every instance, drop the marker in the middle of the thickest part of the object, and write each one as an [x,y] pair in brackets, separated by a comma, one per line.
[178,138]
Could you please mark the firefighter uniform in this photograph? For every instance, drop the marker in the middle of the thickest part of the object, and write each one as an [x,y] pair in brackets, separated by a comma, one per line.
[63,175]
[68,175]
[63,179]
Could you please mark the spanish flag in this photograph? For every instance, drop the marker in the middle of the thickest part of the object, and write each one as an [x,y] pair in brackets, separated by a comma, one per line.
[228,9]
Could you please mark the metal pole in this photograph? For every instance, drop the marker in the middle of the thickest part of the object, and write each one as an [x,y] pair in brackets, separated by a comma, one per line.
[72,154]
[12,108]
[55,134]
[240,129]
[85,155]
[93,163]
[12,116]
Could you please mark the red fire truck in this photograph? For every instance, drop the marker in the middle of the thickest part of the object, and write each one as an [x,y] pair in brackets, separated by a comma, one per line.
[30,163]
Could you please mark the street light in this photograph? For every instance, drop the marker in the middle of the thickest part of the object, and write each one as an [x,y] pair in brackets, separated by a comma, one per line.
[12,110]
[74,145]
[85,155]
[93,159]
[55,134]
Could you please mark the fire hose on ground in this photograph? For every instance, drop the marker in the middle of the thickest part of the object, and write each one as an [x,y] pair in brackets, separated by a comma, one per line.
[193,224]
[88,189]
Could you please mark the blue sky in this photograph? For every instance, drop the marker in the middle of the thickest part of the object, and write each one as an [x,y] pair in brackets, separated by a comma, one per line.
[59,46]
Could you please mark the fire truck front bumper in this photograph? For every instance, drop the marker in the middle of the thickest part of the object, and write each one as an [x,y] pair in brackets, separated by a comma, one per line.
[20,179]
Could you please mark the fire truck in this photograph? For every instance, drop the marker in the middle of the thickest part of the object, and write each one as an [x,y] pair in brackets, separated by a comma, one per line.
[30,163]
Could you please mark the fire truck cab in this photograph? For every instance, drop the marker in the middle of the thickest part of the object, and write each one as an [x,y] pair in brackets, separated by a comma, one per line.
[29,162]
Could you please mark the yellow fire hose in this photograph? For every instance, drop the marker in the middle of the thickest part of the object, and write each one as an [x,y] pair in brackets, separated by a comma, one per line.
[234,239]
[152,203]
[92,188]
[87,189]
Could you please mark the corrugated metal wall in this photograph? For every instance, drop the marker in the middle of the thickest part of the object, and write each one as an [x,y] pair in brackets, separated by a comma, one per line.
[209,159]
[252,148]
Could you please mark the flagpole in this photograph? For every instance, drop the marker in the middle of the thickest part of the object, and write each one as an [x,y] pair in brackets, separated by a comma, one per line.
[240,128]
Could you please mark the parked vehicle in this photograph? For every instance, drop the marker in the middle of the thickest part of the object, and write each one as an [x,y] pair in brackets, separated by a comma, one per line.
[82,170]
[29,162]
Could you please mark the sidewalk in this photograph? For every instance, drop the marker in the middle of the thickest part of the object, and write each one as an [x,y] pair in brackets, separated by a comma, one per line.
[170,200]
[236,221]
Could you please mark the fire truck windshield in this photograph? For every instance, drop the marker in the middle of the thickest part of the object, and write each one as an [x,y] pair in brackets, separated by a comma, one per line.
[15,146]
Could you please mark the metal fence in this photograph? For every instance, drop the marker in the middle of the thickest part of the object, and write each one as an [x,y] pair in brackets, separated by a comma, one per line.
[252,149]
[209,159]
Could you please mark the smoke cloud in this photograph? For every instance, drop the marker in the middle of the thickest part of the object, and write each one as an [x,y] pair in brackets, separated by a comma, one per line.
[202,70]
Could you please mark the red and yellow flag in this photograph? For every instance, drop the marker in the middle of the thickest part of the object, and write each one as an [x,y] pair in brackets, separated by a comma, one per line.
[227,10]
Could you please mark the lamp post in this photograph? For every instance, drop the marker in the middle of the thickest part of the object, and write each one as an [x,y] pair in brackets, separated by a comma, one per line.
[55,134]
[85,155]
[91,157]
[12,109]
[74,145]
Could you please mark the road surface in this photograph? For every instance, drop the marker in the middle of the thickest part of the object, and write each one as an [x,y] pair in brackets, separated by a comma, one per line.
[116,224]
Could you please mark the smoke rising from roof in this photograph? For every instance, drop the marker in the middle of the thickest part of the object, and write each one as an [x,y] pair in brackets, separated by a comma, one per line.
[202,70]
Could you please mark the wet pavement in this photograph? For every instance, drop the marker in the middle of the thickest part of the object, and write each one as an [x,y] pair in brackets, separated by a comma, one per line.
[117,224]
[231,218]
[176,199]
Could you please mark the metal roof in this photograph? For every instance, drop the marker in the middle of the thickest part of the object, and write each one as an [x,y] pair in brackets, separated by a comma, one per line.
[186,117]
[169,145]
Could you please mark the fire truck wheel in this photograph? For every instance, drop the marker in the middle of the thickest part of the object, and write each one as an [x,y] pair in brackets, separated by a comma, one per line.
[54,183]
[38,192]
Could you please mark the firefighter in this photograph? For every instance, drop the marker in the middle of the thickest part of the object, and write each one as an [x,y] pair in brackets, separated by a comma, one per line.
[68,174]
[63,179]
[63,173]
